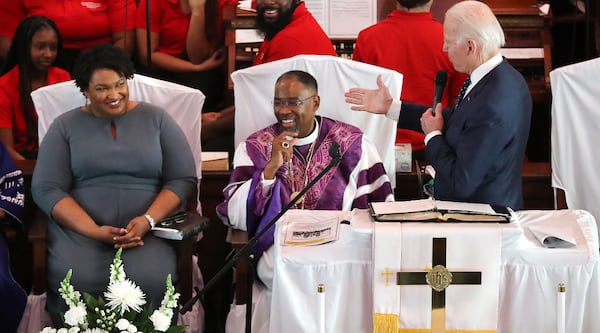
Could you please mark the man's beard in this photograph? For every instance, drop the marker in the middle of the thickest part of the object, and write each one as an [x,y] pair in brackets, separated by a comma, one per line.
[270,29]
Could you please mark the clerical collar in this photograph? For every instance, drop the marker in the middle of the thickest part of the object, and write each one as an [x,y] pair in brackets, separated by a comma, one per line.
[309,138]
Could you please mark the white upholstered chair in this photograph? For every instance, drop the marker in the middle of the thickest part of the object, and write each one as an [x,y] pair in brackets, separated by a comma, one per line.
[184,104]
[575,127]
[254,86]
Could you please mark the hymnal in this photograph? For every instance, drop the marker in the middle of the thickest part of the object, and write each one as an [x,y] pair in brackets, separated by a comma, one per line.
[180,226]
[426,210]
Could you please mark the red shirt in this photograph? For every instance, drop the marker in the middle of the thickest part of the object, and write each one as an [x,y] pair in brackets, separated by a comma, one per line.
[411,44]
[11,114]
[82,23]
[303,35]
[168,20]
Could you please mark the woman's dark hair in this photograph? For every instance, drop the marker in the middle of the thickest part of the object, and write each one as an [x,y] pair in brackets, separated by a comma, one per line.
[20,54]
[102,56]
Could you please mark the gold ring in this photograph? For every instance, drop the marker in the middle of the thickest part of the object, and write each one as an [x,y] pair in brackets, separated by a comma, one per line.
[285,145]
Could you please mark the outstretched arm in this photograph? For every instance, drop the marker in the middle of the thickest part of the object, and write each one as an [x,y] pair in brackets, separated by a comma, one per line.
[371,100]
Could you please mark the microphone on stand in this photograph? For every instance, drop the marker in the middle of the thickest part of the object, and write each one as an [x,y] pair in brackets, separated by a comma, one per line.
[334,152]
[336,157]
[440,83]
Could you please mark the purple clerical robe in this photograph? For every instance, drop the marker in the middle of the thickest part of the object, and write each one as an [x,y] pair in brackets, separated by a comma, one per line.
[359,178]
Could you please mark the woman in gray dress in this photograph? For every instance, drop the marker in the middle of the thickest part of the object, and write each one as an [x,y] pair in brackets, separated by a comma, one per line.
[105,172]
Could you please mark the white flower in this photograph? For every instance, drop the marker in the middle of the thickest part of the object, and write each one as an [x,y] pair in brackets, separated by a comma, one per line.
[95,330]
[125,326]
[125,294]
[122,324]
[68,293]
[160,320]
[76,315]
[117,272]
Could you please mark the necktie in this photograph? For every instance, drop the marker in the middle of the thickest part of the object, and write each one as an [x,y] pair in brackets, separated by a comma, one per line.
[463,90]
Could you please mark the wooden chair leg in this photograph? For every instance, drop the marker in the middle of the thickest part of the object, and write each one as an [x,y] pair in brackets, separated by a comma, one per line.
[560,201]
[185,251]
[38,235]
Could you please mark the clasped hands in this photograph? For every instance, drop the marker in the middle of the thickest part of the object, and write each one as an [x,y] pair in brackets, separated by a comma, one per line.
[128,237]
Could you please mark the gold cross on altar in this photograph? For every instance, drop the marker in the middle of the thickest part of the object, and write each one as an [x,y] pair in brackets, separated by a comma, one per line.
[387,274]
[439,278]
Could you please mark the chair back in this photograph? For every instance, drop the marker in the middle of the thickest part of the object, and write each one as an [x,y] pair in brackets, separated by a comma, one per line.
[184,105]
[254,89]
[575,127]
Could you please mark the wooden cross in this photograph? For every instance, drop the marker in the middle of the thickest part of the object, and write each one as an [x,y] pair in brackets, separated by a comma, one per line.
[439,278]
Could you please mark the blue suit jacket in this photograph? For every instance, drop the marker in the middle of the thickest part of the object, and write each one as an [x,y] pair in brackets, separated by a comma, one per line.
[479,157]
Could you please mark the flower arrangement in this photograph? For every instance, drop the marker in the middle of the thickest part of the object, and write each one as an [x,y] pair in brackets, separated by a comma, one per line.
[123,313]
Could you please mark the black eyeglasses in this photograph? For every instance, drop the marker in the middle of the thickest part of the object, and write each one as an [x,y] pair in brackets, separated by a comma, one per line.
[292,104]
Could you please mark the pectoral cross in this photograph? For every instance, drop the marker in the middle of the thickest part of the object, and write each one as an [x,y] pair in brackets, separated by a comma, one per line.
[439,278]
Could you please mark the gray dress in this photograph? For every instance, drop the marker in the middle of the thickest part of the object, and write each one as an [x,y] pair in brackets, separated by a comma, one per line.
[113,180]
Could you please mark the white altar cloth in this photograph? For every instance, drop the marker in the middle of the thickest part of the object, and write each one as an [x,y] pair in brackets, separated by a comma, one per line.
[408,247]
[529,276]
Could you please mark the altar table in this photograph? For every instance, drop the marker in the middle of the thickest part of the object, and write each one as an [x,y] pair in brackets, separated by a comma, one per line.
[529,277]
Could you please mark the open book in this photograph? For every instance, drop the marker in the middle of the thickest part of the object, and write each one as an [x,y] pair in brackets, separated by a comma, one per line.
[425,210]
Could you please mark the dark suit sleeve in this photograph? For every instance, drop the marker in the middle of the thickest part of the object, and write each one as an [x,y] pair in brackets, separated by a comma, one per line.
[462,166]
[410,116]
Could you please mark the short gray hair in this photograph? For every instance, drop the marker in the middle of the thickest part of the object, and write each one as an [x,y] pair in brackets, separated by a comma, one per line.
[477,21]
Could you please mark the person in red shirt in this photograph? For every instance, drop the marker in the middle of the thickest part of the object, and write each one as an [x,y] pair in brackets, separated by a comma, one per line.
[289,29]
[29,65]
[82,23]
[410,41]
[180,50]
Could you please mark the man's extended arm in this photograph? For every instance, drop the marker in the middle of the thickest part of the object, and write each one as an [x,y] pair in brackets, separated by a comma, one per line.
[379,101]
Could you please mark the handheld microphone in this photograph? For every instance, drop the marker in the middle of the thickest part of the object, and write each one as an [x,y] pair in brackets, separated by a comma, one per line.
[440,83]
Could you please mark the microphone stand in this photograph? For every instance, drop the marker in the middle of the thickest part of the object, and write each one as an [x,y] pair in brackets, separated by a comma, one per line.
[334,152]
[148,37]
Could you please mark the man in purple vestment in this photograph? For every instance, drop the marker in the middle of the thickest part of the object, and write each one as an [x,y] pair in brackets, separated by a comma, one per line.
[276,162]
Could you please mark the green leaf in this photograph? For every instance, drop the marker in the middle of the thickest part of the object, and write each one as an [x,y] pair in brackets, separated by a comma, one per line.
[92,302]
[176,329]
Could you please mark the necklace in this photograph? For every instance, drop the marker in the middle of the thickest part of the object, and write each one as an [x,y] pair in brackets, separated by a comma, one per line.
[300,203]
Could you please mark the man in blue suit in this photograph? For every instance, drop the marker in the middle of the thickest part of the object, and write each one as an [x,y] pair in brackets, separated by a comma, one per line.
[477,146]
